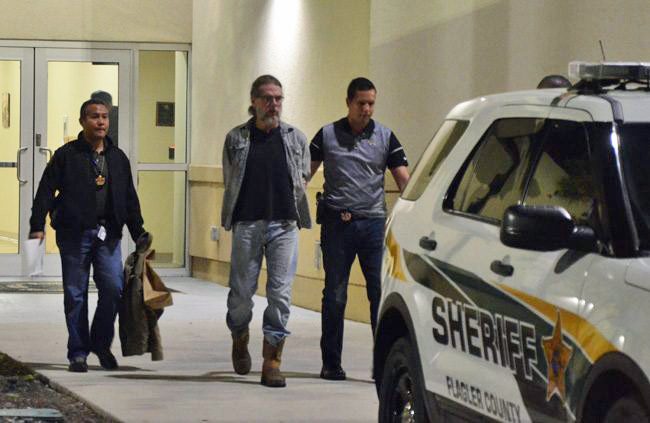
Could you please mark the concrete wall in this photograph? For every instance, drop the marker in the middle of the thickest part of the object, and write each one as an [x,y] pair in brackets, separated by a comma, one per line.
[315,48]
[97,20]
[428,55]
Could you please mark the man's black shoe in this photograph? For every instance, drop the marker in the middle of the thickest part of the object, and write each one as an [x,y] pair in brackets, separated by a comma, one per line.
[107,360]
[78,365]
[332,374]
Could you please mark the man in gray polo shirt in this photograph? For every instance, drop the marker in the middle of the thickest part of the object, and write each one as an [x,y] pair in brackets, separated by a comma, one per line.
[355,152]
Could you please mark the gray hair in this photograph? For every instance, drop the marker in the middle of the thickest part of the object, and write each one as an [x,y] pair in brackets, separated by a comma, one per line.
[255,88]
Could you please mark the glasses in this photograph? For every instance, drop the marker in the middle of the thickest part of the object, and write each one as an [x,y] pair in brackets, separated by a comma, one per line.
[270,98]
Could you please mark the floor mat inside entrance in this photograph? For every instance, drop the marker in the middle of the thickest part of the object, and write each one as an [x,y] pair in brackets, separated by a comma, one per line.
[44,287]
[37,287]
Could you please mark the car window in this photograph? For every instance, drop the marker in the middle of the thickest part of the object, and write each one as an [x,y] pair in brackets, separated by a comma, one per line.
[442,143]
[492,177]
[562,176]
[635,156]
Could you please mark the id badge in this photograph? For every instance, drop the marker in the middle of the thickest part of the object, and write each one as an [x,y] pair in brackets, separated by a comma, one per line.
[101,233]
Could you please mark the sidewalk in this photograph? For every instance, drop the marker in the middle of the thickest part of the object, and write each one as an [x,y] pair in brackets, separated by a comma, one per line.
[195,382]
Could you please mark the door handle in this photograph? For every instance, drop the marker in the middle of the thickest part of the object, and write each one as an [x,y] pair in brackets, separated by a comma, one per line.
[428,243]
[20,150]
[47,151]
[500,268]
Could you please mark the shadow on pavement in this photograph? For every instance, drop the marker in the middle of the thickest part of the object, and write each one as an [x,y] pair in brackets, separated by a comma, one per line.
[230,377]
[64,367]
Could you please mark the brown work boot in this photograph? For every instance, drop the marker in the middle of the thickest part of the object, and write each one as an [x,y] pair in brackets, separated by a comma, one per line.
[241,359]
[271,375]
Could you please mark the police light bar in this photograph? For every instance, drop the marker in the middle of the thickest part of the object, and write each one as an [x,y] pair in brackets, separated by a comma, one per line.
[609,71]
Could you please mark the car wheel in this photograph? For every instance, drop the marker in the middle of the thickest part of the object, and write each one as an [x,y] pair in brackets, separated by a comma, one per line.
[626,409]
[400,395]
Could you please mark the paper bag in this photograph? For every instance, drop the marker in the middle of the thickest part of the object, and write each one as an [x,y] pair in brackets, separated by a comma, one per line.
[156,295]
[33,251]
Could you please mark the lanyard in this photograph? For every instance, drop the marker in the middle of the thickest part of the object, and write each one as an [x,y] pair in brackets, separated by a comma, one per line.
[98,161]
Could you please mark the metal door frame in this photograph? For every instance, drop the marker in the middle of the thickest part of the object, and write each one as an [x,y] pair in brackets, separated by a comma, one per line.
[64,50]
[42,57]
[11,264]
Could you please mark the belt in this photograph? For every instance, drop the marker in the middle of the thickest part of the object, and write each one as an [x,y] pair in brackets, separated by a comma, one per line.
[344,215]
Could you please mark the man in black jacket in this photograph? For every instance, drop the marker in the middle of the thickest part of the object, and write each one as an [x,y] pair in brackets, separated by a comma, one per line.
[96,197]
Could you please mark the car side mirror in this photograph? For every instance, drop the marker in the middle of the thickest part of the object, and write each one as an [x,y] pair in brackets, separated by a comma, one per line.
[545,228]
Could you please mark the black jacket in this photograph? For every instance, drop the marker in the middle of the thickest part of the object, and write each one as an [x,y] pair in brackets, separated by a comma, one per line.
[70,173]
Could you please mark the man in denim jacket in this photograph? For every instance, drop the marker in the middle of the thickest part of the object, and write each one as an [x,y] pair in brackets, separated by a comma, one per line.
[266,165]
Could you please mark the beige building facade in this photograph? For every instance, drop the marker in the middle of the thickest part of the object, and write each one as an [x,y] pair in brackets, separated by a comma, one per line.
[423,55]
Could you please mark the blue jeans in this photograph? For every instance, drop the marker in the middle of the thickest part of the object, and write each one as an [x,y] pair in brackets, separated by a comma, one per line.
[78,252]
[341,242]
[278,242]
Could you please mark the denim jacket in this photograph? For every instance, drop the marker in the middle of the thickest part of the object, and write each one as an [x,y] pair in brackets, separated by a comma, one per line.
[235,153]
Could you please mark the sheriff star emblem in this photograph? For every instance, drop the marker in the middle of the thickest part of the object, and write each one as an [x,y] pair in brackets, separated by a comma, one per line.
[557,355]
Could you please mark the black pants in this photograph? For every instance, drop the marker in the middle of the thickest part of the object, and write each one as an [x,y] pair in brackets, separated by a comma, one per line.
[341,242]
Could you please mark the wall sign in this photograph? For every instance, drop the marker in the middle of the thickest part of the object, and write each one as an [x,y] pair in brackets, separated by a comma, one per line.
[164,113]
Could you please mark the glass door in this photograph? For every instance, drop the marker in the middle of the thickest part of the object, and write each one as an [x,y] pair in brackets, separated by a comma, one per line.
[63,80]
[162,157]
[41,91]
[16,150]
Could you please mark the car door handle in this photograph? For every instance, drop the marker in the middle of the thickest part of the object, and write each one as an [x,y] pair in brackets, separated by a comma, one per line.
[501,268]
[428,243]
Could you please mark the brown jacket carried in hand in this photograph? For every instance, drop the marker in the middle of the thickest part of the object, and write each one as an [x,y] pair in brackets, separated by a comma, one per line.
[142,303]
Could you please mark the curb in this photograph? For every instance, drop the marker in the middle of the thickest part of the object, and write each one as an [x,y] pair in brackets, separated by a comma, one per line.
[62,389]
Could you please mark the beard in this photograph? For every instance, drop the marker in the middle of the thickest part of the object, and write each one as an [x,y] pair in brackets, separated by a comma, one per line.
[268,120]
[271,120]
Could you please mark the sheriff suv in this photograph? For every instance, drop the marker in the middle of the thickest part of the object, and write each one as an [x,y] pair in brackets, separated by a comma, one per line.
[516,273]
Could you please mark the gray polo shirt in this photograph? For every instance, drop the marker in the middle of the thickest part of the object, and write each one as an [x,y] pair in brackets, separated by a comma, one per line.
[354,165]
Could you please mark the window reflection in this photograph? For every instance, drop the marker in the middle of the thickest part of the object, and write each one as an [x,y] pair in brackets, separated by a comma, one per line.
[493,178]
[563,174]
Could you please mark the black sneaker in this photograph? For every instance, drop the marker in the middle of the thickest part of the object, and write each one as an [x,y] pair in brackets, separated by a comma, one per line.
[332,374]
[107,360]
[78,365]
